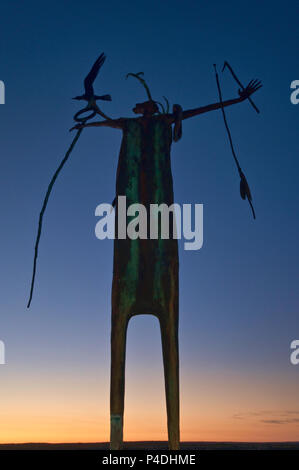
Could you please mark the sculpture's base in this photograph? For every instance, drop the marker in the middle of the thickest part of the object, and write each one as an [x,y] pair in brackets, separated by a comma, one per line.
[116,432]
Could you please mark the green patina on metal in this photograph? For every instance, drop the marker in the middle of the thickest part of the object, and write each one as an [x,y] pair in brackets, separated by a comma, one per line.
[162,144]
[128,185]
[144,176]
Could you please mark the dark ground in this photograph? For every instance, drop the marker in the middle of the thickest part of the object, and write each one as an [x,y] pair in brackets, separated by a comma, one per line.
[158,445]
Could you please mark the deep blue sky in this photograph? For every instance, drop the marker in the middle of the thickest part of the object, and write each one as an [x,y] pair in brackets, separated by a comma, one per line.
[239,293]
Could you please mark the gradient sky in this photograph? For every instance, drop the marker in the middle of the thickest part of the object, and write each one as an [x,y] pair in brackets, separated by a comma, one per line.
[238,294]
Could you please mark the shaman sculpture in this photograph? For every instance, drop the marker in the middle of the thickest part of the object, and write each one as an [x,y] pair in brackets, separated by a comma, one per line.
[145,271]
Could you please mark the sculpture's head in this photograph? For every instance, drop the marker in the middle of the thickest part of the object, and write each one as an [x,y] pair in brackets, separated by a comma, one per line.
[148,108]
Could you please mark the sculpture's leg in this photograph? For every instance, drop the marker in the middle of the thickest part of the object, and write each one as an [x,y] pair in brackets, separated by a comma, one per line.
[117,386]
[169,335]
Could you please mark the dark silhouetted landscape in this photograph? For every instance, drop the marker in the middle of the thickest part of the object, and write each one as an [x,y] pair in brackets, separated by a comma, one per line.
[157,445]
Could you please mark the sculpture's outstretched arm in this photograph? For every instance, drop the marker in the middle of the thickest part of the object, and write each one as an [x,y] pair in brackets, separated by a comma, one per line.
[115,123]
[252,87]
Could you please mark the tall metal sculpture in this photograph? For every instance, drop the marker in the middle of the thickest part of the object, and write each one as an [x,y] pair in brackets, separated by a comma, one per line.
[145,271]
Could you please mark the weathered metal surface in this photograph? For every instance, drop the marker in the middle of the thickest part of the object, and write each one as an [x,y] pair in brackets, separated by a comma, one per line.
[145,272]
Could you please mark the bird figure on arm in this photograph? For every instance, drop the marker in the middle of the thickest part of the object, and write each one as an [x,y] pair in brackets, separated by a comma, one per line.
[89,94]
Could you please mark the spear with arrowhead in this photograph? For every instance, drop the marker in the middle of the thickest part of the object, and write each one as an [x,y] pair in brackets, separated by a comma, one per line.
[244,186]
